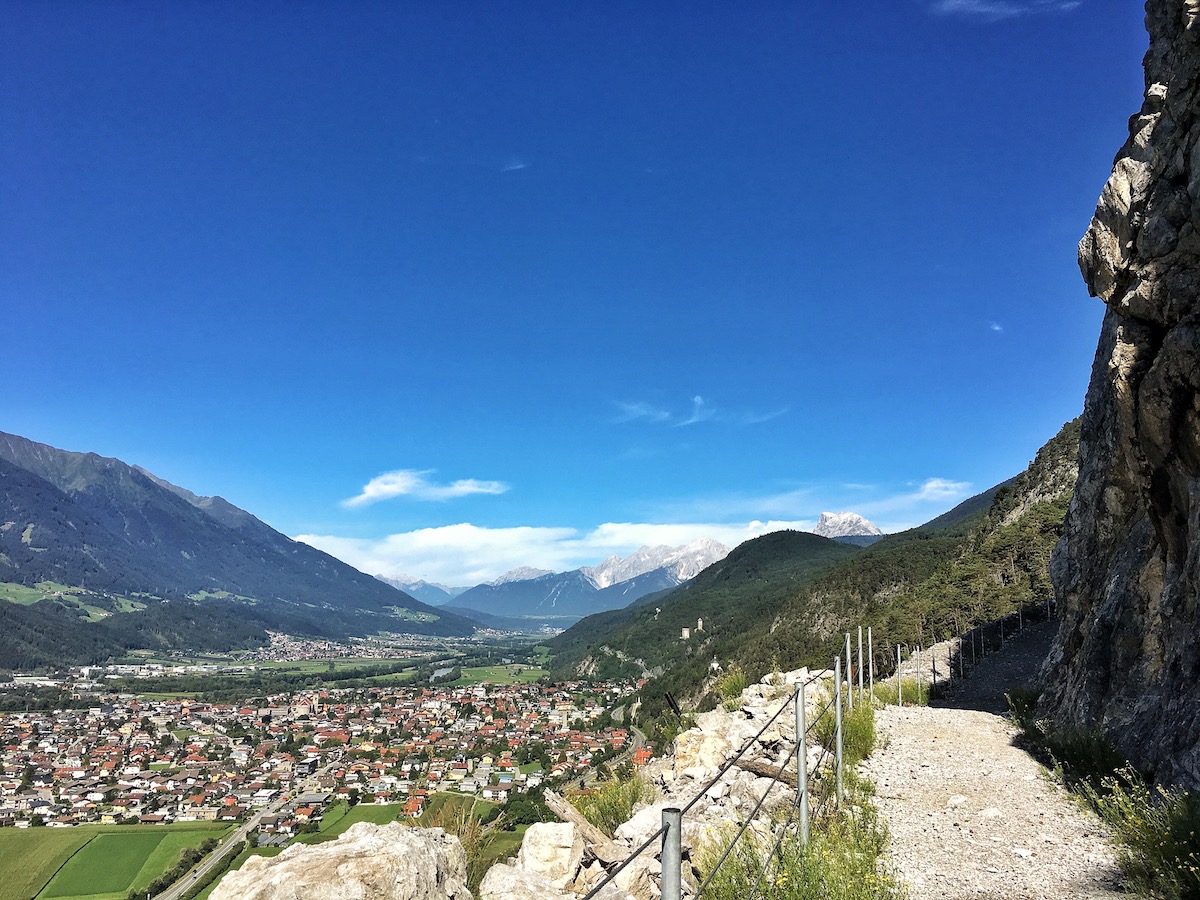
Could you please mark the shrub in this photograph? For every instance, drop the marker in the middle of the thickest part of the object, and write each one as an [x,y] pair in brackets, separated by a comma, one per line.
[476,837]
[910,692]
[729,686]
[858,733]
[1158,830]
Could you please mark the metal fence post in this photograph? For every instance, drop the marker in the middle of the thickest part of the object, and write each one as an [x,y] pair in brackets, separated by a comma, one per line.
[802,762]
[860,664]
[849,675]
[919,682]
[899,687]
[837,741]
[871,660]
[672,853]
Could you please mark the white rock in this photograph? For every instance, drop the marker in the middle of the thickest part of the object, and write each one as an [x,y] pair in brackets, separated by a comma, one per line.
[553,850]
[507,883]
[368,862]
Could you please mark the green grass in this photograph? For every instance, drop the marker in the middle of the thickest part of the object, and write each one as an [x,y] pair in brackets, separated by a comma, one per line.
[440,804]
[31,857]
[842,862]
[108,864]
[844,857]
[27,596]
[1160,850]
[729,687]
[43,861]
[611,803]
[516,673]
[341,816]
[910,692]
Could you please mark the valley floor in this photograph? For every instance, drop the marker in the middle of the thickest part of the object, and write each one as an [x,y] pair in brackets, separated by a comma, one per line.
[971,814]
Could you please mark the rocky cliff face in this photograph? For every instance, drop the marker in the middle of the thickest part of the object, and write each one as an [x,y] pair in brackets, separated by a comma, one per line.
[1127,571]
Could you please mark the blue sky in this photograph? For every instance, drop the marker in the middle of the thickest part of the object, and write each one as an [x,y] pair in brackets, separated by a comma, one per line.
[454,288]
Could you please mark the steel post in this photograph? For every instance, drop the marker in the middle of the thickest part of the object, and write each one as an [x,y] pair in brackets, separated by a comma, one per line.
[837,730]
[672,854]
[802,763]
[860,664]
[849,675]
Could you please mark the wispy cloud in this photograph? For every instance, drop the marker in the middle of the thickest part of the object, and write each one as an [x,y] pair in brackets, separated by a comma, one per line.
[996,327]
[916,505]
[514,164]
[413,483]
[700,411]
[642,412]
[995,10]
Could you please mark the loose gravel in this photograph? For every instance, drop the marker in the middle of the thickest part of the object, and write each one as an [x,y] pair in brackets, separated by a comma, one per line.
[971,815]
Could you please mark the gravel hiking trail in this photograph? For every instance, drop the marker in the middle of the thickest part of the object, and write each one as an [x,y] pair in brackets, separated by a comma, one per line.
[971,814]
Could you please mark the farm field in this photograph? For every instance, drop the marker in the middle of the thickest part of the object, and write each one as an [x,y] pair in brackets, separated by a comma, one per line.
[515,673]
[96,862]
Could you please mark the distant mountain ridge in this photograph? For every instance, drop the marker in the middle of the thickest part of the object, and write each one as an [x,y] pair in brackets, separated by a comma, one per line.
[114,530]
[614,583]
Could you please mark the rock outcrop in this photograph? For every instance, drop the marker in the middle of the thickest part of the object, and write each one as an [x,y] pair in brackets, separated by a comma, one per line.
[1127,571]
[368,862]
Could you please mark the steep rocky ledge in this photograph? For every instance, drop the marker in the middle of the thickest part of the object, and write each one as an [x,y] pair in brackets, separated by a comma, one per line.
[1127,571]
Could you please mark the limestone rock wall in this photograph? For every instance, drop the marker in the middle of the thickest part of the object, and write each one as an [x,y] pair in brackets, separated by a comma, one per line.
[1127,571]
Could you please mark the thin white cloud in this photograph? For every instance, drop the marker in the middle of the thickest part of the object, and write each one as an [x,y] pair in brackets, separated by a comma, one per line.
[910,508]
[996,327]
[642,412]
[701,411]
[995,10]
[413,483]
[514,164]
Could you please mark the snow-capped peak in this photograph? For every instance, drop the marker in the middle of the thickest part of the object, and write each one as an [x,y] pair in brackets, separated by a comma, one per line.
[524,573]
[683,562]
[844,524]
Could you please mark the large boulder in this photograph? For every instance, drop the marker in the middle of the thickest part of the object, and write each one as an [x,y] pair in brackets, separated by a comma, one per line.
[1127,571]
[368,862]
[553,850]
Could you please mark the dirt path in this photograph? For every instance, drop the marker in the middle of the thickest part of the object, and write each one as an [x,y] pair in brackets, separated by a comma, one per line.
[972,815]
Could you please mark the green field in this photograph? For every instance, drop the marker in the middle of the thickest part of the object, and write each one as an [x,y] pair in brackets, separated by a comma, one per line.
[515,673]
[19,593]
[97,862]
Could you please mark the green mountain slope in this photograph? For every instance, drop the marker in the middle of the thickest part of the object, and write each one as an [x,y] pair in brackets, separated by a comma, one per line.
[716,606]
[115,534]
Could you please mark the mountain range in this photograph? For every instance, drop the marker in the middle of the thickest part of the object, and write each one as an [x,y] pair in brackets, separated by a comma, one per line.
[562,597]
[116,543]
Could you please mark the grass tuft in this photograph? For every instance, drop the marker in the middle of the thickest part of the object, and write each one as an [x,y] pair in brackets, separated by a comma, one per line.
[841,862]
[1158,830]
[611,803]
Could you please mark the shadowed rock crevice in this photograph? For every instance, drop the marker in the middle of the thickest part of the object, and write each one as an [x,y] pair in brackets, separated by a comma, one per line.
[1127,571]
